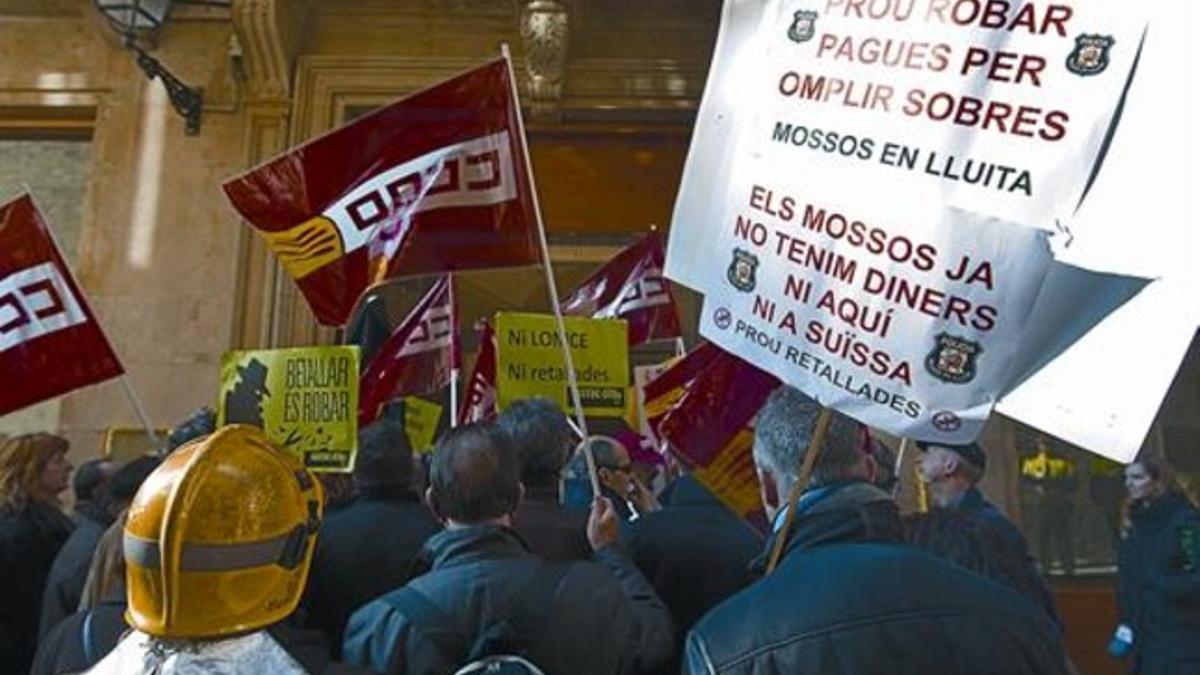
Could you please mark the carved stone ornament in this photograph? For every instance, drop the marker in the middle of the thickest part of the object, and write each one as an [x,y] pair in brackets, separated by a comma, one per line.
[269,31]
[545,36]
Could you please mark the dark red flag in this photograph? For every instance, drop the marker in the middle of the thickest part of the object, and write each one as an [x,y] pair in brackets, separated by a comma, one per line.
[479,400]
[432,183]
[50,342]
[418,357]
[704,406]
[631,286]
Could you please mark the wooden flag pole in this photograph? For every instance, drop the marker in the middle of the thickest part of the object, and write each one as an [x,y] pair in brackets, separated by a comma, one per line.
[572,381]
[140,409]
[904,443]
[806,468]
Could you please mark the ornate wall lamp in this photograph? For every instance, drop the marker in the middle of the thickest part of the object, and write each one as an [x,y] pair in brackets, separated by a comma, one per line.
[133,19]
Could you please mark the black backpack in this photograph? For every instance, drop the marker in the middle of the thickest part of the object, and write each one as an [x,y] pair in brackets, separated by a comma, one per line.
[503,647]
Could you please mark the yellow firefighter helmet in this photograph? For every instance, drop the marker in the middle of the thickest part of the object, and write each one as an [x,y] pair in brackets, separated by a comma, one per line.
[219,538]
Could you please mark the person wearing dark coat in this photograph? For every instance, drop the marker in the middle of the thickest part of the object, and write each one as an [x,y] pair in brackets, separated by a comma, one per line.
[486,594]
[65,580]
[847,598]
[952,474]
[1158,589]
[70,569]
[33,472]
[368,547]
[695,552]
[79,641]
[542,439]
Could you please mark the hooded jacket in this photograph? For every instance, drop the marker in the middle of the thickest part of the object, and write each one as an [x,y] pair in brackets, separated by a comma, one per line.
[847,598]
[1158,589]
[601,617]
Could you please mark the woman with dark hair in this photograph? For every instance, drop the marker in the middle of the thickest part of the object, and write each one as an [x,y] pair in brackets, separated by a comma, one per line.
[1158,591]
[33,471]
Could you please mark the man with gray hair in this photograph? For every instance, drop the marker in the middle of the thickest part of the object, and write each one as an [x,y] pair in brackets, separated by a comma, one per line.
[847,596]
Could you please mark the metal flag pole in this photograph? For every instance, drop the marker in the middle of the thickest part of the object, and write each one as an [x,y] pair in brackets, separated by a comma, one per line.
[140,409]
[455,354]
[572,382]
[454,372]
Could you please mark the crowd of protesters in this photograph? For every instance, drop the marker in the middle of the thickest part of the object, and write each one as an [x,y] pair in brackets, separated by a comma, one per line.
[223,555]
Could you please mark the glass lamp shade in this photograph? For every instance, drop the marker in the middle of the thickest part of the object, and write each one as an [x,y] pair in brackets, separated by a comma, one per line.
[134,16]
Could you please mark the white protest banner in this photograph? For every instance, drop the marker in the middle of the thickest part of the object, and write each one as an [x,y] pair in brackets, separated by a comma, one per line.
[991,106]
[905,138]
[917,338]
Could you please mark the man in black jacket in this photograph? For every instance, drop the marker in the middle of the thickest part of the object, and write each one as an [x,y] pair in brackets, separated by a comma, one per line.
[543,440]
[487,594]
[695,551]
[952,473]
[846,598]
[368,547]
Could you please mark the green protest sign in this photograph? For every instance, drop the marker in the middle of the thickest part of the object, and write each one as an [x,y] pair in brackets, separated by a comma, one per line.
[306,400]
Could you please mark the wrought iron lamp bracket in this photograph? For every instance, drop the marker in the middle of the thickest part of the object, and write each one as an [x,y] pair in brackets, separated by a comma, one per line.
[187,101]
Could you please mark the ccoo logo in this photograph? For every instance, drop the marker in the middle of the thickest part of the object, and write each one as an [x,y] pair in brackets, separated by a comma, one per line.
[36,302]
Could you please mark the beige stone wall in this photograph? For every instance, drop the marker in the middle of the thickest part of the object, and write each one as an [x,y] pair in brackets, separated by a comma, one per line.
[157,240]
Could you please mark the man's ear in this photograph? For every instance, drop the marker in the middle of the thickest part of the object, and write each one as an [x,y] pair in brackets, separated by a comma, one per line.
[767,491]
[951,463]
[870,468]
[431,502]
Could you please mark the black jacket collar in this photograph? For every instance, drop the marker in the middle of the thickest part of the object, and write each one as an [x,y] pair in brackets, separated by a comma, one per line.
[467,545]
[1157,513]
[849,513]
[386,493]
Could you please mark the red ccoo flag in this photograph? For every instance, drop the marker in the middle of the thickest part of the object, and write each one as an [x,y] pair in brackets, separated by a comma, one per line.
[418,357]
[631,286]
[432,183]
[50,342]
[479,404]
[704,405]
